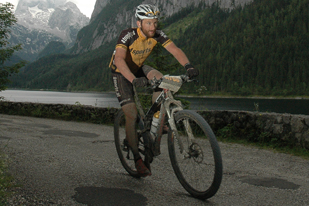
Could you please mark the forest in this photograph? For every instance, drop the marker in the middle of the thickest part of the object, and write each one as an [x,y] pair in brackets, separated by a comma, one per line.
[260,49]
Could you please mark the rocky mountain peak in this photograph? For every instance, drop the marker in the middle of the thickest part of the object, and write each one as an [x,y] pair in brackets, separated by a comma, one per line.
[71,6]
[99,5]
[53,16]
[44,21]
[24,5]
[67,15]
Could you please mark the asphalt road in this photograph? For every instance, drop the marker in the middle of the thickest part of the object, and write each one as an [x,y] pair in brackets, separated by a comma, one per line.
[72,163]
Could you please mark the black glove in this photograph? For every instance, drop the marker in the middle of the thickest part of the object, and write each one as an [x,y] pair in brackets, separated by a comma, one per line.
[140,82]
[191,71]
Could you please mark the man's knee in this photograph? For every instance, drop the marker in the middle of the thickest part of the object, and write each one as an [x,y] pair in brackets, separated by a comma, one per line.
[154,73]
[151,72]
[130,111]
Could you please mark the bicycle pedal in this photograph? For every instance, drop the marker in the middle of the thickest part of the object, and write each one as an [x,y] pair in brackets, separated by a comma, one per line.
[150,159]
[156,153]
[149,156]
[125,149]
[125,146]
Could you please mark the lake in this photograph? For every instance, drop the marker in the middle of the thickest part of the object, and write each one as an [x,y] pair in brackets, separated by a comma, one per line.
[292,106]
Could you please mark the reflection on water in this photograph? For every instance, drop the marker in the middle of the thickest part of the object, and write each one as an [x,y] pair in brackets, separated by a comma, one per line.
[49,97]
[293,106]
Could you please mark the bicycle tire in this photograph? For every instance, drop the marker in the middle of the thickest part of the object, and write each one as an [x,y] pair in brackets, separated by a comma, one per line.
[201,180]
[124,152]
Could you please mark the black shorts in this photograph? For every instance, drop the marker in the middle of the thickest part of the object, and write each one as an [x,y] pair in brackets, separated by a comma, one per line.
[124,88]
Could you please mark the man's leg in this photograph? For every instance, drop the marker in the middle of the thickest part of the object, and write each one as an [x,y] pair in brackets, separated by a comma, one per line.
[124,94]
[130,112]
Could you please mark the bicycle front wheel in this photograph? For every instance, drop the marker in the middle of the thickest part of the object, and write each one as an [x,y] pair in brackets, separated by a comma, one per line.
[195,155]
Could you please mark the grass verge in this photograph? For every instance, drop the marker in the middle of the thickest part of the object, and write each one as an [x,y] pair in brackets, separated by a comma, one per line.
[6,180]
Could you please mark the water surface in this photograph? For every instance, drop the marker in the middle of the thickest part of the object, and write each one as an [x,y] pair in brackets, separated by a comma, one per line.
[293,106]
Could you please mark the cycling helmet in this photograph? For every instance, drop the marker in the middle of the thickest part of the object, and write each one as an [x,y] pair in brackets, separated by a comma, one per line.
[147,11]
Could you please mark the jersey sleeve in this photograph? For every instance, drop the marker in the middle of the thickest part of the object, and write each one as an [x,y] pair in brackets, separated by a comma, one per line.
[124,38]
[163,38]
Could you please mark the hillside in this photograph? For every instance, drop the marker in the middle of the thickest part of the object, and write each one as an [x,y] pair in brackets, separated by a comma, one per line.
[258,49]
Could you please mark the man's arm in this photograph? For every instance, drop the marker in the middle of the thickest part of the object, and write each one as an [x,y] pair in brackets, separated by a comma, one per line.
[177,53]
[121,64]
[182,59]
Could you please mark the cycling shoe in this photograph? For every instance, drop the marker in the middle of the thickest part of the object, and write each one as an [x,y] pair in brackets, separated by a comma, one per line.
[142,170]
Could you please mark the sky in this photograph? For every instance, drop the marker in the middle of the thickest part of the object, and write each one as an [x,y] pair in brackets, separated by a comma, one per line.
[85,6]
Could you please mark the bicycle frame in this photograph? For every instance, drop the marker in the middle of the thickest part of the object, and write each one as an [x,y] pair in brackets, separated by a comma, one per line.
[166,101]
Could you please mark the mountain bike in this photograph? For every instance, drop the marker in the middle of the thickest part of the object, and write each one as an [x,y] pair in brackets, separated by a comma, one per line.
[193,149]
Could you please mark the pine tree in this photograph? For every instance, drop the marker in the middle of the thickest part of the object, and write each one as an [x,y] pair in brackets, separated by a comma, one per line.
[7,19]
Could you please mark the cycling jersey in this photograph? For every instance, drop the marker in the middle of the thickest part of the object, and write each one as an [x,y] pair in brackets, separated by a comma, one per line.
[138,47]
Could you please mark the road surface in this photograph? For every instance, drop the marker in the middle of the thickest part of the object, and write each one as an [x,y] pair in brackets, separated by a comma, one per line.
[72,163]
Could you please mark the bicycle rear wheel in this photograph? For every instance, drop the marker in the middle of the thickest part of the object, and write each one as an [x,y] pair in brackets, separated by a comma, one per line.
[123,150]
[198,166]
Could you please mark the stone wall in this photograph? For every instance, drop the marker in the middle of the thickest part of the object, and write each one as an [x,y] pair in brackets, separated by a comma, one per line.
[60,111]
[280,129]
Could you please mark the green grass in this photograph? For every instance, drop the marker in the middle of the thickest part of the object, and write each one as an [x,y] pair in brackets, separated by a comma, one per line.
[6,180]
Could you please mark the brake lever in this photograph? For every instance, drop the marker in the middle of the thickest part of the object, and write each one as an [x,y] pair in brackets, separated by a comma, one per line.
[195,80]
[186,78]
[154,83]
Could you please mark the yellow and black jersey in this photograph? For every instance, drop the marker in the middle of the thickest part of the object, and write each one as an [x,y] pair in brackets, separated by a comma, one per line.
[138,47]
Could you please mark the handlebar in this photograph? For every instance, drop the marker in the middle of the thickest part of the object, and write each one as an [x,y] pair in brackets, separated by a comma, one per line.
[154,83]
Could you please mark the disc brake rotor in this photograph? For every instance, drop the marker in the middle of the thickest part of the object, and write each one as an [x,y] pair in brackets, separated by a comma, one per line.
[195,152]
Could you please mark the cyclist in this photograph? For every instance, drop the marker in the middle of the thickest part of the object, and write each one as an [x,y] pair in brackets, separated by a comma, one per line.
[134,45]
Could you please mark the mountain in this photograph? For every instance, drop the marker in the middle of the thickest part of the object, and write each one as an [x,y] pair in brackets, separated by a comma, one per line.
[94,46]
[258,49]
[42,21]
[32,40]
[110,17]
[53,47]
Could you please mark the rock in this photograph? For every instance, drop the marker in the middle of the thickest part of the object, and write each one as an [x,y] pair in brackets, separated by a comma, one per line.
[297,124]
[277,128]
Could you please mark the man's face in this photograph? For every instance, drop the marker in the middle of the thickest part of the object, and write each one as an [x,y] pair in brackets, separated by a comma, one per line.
[149,27]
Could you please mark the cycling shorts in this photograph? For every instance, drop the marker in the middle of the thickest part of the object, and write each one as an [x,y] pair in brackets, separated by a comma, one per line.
[124,88]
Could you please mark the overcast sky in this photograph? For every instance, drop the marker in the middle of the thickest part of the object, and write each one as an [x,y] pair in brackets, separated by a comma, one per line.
[85,6]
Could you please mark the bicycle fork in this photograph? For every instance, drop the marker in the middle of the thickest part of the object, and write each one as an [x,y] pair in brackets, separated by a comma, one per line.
[187,127]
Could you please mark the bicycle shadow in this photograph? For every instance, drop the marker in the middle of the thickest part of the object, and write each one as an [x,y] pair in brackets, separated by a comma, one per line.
[98,196]
[206,202]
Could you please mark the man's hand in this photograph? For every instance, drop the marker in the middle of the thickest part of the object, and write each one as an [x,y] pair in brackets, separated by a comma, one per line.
[140,82]
[192,72]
